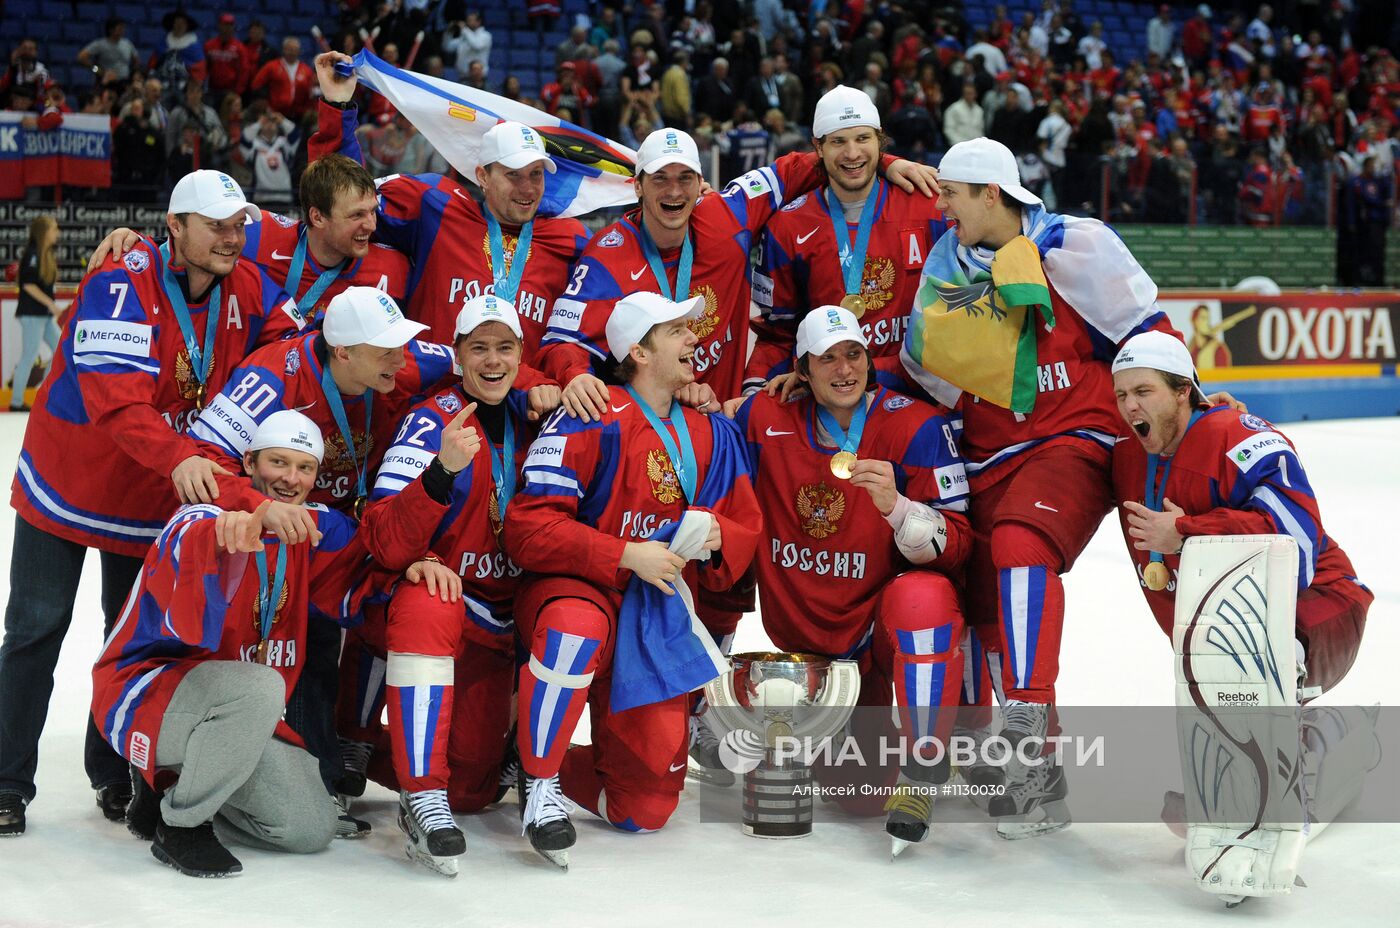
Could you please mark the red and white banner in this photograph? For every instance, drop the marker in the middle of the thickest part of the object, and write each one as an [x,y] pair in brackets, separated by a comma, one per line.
[77,153]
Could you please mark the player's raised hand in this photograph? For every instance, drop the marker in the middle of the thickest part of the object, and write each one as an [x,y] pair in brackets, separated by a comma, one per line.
[877,479]
[1223,398]
[653,562]
[241,532]
[460,442]
[194,479]
[731,407]
[1152,530]
[335,88]
[117,243]
[787,387]
[442,581]
[291,523]
[586,398]
[542,400]
[910,175]
[698,396]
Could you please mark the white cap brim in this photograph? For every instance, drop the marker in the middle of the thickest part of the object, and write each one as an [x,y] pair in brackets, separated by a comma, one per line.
[398,334]
[692,308]
[1015,191]
[827,342]
[223,209]
[523,159]
[656,164]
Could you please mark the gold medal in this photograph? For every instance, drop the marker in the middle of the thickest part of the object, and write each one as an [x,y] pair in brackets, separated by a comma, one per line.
[841,464]
[261,657]
[199,398]
[855,303]
[359,507]
[1156,576]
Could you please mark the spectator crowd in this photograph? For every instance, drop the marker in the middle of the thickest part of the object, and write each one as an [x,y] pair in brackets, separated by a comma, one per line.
[1235,115]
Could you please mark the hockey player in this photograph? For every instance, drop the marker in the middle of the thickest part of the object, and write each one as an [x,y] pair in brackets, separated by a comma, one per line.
[1191,469]
[596,496]
[324,255]
[858,241]
[681,245]
[194,679]
[1039,475]
[863,574]
[449,646]
[152,335]
[460,248]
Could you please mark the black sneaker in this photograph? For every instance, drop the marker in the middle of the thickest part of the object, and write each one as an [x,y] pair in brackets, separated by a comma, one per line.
[143,814]
[194,851]
[113,799]
[11,815]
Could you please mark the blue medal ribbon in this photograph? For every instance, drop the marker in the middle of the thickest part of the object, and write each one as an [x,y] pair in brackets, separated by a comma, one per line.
[846,439]
[503,465]
[270,591]
[307,302]
[200,356]
[852,259]
[507,283]
[682,457]
[1154,494]
[658,267]
[332,393]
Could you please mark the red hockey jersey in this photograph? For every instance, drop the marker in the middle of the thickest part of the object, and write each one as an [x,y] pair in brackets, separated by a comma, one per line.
[613,265]
[109,423]
[440,227]
[798,270]
[1234,474]
[589,488]
[288,376]
[826,551]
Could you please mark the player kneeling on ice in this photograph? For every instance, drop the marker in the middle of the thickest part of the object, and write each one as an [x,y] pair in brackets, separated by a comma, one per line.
[863,488]
[621,520]
[1265,613]
[193,681]
[446,643]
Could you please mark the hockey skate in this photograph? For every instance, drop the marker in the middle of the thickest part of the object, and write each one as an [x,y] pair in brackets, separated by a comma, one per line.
[1034,799]
[351,784]
[910,806]
[544,818]
[510,768]
[705,764]
[434,840]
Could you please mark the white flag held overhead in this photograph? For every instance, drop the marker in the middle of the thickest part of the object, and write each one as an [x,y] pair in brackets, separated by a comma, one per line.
[593,172]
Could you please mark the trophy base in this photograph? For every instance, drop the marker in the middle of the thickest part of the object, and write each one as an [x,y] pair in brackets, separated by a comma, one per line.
[778,801]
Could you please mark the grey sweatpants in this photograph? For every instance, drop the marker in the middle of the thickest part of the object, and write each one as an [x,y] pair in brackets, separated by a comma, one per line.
[217,734]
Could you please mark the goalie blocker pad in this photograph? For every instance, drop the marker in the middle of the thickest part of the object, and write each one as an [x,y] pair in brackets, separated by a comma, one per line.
[1237,722]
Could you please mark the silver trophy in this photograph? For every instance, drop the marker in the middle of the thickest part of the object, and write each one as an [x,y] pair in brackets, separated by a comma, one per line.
[768,696]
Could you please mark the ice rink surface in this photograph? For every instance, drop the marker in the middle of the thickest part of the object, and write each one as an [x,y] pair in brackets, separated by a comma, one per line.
[74,868]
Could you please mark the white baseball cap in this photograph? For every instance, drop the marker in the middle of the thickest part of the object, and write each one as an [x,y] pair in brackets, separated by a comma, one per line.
[367,316]
[985,161]
[635,314]
[514,145]
[826,326]
[667,146]
[289,429]
[487,308]
[1159,351]
[842,107]
[212,194]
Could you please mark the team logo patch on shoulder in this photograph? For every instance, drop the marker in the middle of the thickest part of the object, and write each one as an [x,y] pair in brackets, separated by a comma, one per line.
[293,362]
[136,261]
[795,204]
[285,222]
[611,240]
[448,403]
[1254,423]
[897,402]
[820,508]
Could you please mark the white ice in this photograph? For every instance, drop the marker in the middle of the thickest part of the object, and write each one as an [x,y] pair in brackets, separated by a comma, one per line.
[74,868]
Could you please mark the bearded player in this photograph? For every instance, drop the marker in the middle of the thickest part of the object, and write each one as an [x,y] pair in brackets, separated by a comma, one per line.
[598,496]
[459,248]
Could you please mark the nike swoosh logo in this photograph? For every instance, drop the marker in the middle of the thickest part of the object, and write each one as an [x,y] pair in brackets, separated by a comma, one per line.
[772,434]
[621,408]
[676,767]
[1040,505]
[280,257]
[1121,438]
[637,274]
[803,238]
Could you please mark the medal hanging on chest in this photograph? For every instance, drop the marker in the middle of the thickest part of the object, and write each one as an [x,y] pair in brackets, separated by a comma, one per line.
[1155,574]
[200,357]
[502,478]
[852,257]
[847,440]
[337,407]
[272,596]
